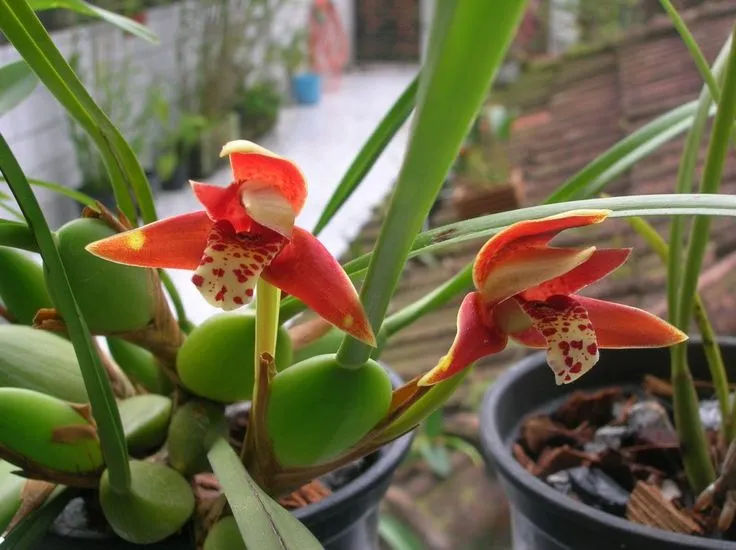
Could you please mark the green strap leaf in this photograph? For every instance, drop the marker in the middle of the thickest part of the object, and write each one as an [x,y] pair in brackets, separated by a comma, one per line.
[123,23]
[31,530]
[468,41]
[371,150]
[620,157]
[485,226]
[17,81]
[17,235]
[29,37]
[263,522]
[396,535]
[101,398]
[73,194]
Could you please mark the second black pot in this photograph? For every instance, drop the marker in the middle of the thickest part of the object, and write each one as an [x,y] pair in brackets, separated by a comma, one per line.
[542,518]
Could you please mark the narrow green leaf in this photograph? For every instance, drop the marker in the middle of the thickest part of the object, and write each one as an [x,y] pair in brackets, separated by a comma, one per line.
[17,81]
[698,465]
[29,37]
[436,457]
[263,523]
[483,227]
[468,41]
[710,183]
[98,387]
[435,424]
[711,348]
[396,535]
[462,446]
[31,530]
[625,153]
[463,281]
[181,315]
[369,153]
[17,235]
[85,8]
[693,48]
[11,210]
[685,175]
[73,194]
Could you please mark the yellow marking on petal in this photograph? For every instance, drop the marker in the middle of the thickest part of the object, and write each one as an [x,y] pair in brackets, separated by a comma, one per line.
[136,239]
[348,321]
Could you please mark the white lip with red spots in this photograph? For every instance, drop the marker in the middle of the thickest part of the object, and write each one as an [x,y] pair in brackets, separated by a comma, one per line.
[572,349]
[231,264]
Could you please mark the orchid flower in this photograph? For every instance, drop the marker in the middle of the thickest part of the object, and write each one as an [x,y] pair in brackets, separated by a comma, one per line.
[526,291]
[247,231]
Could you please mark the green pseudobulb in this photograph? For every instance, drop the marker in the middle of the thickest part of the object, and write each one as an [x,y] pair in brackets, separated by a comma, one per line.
[140,366]
[159,503]
[145,421]
[47,431]
[317,409]
[193,429]
[216,360]
[224,535]
[22,285]
[40,361]
[113,298]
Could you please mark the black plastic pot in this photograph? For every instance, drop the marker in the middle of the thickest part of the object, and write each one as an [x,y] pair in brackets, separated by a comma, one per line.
[542,518]
[346,520]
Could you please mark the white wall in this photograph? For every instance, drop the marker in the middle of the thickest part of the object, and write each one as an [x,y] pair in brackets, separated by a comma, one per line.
[37,129]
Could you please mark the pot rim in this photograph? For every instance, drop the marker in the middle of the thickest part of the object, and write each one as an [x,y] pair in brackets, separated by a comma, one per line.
[497,451]
[389,459]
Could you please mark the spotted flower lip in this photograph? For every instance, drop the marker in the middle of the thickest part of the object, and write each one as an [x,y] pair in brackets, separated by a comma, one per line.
[527,290]
[247,231]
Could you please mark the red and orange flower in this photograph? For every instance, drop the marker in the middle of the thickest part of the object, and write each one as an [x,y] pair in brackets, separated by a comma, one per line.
[527,291]
[247,231]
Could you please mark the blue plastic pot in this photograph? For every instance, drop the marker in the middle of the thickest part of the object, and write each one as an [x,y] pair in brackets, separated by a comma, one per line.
[307,88]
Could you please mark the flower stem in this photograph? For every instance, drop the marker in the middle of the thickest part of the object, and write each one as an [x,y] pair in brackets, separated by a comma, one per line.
[267,324]
[267,318]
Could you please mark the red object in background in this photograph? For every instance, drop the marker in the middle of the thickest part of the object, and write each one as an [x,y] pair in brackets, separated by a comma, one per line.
[328,43]
[139,17]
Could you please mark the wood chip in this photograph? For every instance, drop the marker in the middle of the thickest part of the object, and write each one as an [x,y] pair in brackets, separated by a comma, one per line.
[594,408]
[554,459]
[648,506]
[522,458]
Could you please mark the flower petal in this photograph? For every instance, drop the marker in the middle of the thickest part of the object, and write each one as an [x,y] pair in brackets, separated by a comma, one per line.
[527,268]
[531,235]
[256,167]
[619,326]
[476,337]
[268,207]
[175,242]
[601,263]
[223,204]
[305,269]
[572,349]
[231,264]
